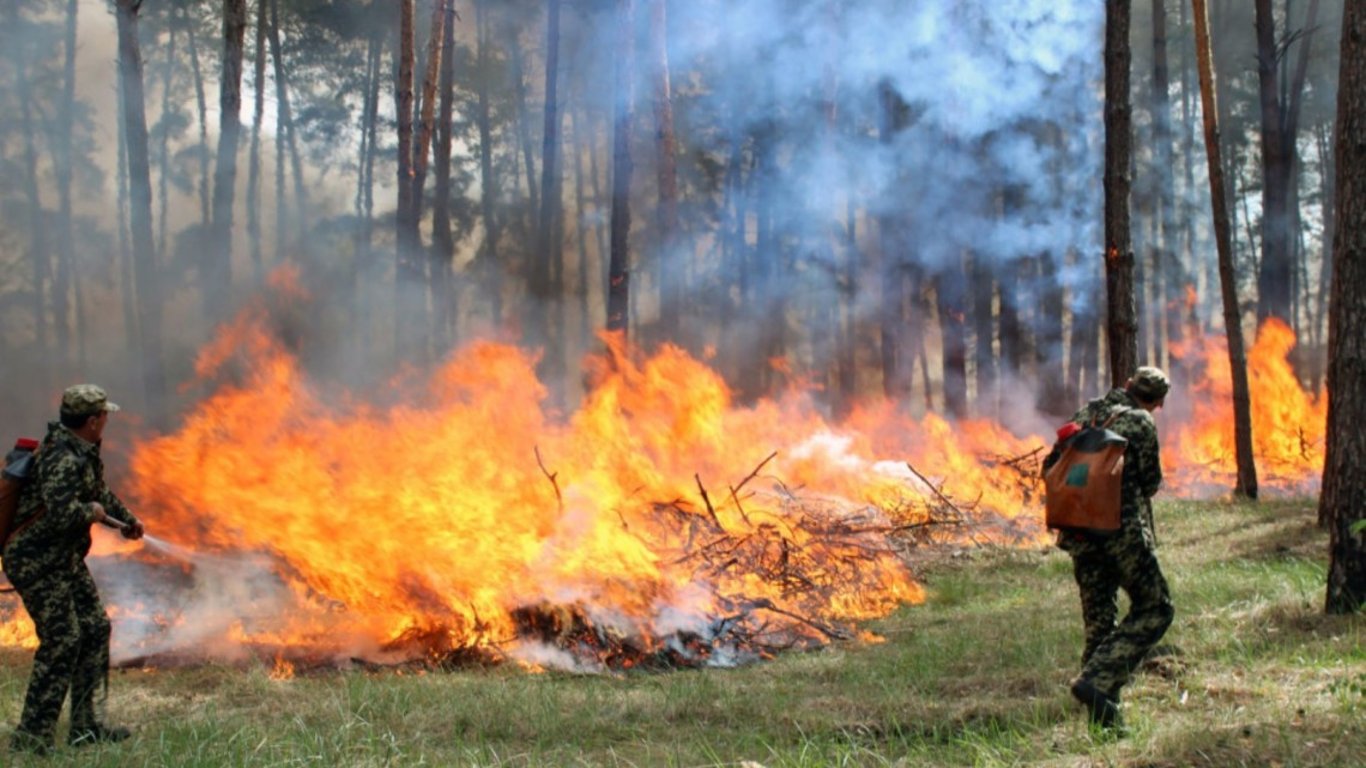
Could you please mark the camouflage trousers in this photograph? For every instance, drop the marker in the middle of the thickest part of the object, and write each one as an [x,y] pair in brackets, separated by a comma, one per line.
[1102,566]
[73,641]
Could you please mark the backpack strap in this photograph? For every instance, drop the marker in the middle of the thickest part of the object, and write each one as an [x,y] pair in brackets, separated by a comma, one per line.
[1115,414]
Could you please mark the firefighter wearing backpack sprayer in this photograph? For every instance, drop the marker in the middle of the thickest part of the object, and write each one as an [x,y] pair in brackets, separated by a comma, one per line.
[44,558]
[1103,563]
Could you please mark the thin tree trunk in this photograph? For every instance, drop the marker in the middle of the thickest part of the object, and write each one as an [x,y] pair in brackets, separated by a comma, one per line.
[37,223]
[951,298]
[545,280]
[488,187]
[619,268]
[254,162]
[427,125]
[581,131]
[163,218]
[126,282]
[201,102]
[895,362]
[1169,273]
[524,123]
[670,258]
[1121,315]
[1242,411]
[1049,349]
[286,139]
[1274,275]
[410,277]
[216,277]
[1342,504]
[64,280]
[363,269]
[443,239]
[983,296]
[140,195]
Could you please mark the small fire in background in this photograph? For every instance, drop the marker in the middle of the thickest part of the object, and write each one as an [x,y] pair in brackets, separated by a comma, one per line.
[660,525]
[1288,423]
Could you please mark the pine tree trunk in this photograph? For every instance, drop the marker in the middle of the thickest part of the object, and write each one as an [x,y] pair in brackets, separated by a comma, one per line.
[546,279]
[1242,411]
[410,275]
[286,140]
[1169,273]
[1274,274]
[670,258]
[164,147]
[1049,350]
[140,210]
[62,284]
[1121,314]
[619,266]
[37,223]
[950,288]
[1343,500]
[254,161]
[443,238]
[491,269]
[983,292]
[216,276]
[127,285]
[201,103]
[524,126]
[362,271]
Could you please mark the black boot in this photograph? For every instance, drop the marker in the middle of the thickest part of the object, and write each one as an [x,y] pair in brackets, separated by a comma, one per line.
[1101,707]
[32,743]
[97,734]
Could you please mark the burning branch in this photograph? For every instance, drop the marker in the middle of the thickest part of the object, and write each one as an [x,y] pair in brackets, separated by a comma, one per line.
[559,500]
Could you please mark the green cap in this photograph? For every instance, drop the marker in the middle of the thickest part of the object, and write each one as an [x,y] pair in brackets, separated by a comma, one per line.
[1149,384]
[86,400]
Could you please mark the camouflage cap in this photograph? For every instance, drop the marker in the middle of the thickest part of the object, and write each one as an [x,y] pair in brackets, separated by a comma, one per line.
[1149,384]
[86,399]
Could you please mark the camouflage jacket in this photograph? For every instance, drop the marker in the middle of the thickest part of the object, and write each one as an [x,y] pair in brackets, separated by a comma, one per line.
[1142,464]
[67,476]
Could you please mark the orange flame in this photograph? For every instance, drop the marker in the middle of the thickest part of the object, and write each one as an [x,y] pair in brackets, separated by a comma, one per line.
[1288,423]
[453,519]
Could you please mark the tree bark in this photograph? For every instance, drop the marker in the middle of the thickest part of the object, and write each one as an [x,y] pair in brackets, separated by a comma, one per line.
[1242,410]
[64,280]
[410,275]
[443,238]
[671,266]
[1121,314]
[1343,499]
[285,141]
[950,289]
[619,267]
[983,300]
[546,278]
[487,183]
[254,161]
[201,103]
[1169,274]
[140,210]
[1274,274]
[216,275]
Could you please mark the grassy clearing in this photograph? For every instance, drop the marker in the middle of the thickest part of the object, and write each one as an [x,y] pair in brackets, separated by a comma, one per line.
[1256,675]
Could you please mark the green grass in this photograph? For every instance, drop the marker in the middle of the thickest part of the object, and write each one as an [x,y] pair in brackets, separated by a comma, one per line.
[1255,675]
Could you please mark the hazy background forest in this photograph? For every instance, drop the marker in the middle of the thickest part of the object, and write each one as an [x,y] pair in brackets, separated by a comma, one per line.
[860,198]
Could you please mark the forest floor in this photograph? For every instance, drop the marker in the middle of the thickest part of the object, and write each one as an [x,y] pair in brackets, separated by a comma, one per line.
[1253,674]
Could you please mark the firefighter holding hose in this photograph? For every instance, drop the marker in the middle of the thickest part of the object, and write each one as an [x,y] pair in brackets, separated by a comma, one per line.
[44,558]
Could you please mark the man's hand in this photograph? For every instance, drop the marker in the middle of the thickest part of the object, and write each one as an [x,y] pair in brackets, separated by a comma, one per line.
[133,530]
